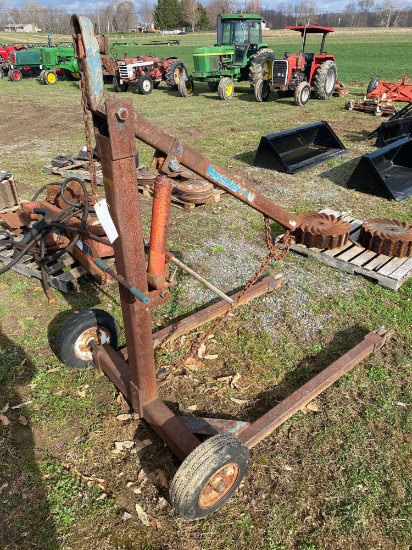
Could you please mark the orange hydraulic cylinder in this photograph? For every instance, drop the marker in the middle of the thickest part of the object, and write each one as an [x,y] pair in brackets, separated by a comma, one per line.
[159,229]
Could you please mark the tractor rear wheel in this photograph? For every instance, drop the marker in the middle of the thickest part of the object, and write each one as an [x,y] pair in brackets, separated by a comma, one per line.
[174,72]
[15,75]
[262,90]
[209,476]
[145,85]
[185,87]
[373,82]
[325,80]
[225,88]
[119,87]
[302,94]
[261,66]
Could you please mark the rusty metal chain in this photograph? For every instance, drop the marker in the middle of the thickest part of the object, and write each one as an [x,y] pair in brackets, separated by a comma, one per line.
[276,253]
[88,134]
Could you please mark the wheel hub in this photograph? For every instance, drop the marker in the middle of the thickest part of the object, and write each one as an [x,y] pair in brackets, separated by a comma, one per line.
[194,191]
[320,230]
[389,237]
[82,345]
[218,485]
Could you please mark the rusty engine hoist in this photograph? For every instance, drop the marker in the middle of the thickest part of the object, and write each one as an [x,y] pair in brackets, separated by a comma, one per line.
[211,470]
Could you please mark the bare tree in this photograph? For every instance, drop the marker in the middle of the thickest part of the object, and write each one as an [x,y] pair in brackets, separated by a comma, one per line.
[190,13]
[350,14]
[253,6]
[146,11]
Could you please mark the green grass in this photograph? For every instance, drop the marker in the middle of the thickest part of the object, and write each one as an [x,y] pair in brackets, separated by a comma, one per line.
[336,478]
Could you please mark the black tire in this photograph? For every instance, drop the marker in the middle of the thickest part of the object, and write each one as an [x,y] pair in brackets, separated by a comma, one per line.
[302,94]
[119,87]
[174,72]
[221,459]
[261,66]
[373,82]
[72,340]
[186,87]
[262,90]
[1,74]
[145,85]
[226,88]
[325,80]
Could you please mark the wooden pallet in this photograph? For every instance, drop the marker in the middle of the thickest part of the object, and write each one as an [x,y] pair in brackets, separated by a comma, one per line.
[146,190]
[58,275]
[388,271]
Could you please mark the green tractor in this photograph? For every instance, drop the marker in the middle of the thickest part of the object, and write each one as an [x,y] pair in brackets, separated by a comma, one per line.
[58,62]
[238,55]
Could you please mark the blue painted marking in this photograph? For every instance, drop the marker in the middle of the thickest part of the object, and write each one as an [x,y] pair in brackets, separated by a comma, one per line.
[229,184]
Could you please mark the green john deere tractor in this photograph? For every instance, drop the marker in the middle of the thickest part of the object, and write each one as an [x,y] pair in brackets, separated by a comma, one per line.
[238,55]
[58,62]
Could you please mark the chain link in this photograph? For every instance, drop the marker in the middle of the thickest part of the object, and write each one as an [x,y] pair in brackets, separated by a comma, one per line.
[88,134]
[276,253]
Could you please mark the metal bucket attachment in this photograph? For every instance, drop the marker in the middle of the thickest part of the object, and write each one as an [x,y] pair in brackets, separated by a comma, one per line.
[297,149]
[386,172]
[393,129]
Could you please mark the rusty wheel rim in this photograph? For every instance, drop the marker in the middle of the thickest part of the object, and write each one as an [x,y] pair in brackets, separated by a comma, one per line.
[82,345]
[218,485]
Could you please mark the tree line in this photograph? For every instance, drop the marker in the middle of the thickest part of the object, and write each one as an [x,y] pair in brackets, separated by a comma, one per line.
[123,15]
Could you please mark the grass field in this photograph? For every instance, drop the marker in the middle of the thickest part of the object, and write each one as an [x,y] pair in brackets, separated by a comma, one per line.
[336,476]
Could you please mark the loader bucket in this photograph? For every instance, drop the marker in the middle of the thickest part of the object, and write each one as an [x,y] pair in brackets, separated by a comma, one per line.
[393,129]
[297,149]
[386,172]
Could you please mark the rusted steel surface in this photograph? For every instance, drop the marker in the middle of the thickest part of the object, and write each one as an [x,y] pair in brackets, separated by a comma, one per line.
[9,196]
[388,237]
[267,423]
[162,193]
[114,366]
[169,427]
[170,333]
[321,230]
[119,176]
[218,485]
[194,191]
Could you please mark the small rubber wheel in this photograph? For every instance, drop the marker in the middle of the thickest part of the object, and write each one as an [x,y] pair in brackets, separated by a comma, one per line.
[225,88]
[1,74]
[373,82]
[209,476]
[74,337]
[261,90]
[119,87]
[49,77]
[145,85]
[302,94]
[15,75]
[185,87]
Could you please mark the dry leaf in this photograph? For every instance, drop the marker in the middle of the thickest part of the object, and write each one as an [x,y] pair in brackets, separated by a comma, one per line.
[235,380]
[142,515]
[400,404]
[161,479]
[4,486]
[4,409]
[81,393]
[120,446]
[192,408]
[103,496]
[209,357]
[23,420]
[124,417]
[313,406]
[224,379]
[37,406]
[4,420]
[201,351]
[287,468]
[240,401]
[126,516]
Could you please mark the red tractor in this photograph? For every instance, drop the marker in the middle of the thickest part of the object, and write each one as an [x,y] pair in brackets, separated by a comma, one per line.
[299,75]
[5,52]
[147,72]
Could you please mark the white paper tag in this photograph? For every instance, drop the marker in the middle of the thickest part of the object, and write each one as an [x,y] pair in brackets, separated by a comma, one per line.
[102,212]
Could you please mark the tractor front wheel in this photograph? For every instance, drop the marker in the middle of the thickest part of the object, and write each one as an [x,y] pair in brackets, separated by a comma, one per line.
[325,80]
[49,77]
[119,87]
[186,87]
[15,75]
[1,74]
[145,85]
[209,476]
[262,90]
[261,66]
[73,339]
[174,72]
[302,94]
[226,88]
[373,82]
